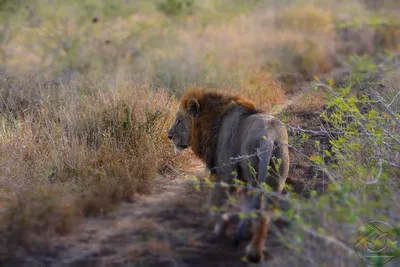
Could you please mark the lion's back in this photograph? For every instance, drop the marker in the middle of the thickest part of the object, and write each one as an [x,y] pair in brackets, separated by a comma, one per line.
[240,133]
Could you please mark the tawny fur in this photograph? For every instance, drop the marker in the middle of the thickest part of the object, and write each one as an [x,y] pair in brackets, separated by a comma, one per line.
[213,106]
[254,249]
[219,126]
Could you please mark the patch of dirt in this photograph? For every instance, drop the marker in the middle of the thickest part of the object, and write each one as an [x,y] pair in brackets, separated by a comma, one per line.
[159,229]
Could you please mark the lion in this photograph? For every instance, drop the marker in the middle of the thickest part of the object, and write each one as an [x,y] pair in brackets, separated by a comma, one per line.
[231,136]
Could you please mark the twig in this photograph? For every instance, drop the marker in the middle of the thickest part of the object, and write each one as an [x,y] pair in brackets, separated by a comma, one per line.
[329,239]
[316,133]
[382,101]
[394,98]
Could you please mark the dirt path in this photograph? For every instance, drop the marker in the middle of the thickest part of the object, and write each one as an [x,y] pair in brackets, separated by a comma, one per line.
[166,228]
[169,227]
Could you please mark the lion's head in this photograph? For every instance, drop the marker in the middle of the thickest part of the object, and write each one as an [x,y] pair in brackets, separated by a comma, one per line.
[181,131]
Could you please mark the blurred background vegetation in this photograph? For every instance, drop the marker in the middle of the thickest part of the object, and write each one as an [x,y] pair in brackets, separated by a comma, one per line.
[88,90]
[175,43]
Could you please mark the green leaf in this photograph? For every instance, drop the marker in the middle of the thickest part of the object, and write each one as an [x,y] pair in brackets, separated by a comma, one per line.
[238,181]
[299,237]
[346,188]
[313,193]
[316,159]
[242,215]
[216,209]
[224,185]
[208,182]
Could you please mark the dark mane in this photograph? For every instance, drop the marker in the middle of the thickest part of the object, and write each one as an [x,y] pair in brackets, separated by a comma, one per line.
[214,105]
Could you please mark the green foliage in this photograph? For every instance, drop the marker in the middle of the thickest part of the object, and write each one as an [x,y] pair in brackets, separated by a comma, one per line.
[374,21]
[359,162]
[10,6]
[362,64]
[356,157]
[176,7]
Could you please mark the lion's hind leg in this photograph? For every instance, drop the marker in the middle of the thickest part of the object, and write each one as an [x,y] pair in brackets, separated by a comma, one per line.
[222,223]
[242,228]
[254,250]
[259,224]
[220,194]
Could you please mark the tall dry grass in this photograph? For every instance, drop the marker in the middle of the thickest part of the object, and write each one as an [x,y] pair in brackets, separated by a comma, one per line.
[76,149]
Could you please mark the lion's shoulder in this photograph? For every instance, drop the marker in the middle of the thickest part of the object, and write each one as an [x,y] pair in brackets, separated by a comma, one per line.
[216,108]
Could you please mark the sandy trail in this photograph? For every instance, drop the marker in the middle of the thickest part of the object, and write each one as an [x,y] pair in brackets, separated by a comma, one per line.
[166,228]
[126,235]
[169,227]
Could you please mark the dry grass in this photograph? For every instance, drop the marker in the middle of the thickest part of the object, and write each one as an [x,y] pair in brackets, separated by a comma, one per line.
[61,159]
[311,101]
[264,91]
[153,247]
[306,18]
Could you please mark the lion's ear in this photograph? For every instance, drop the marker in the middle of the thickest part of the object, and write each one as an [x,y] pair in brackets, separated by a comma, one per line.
[193,107]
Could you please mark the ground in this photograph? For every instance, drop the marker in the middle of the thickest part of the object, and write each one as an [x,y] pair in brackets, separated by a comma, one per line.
[169,227]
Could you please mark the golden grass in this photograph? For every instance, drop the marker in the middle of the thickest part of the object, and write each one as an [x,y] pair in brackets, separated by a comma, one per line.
[306,18]
[311,101]
[264,91]
[61,162]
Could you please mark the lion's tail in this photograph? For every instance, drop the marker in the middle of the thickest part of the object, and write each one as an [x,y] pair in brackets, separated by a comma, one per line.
[264,156]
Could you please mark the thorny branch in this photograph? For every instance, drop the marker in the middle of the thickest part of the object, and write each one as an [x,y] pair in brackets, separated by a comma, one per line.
[314,133]
[329,173]
[394,99]
[387,107]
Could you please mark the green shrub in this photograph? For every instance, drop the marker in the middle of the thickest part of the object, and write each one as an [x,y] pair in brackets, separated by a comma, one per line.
[10,5]
[175,7]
